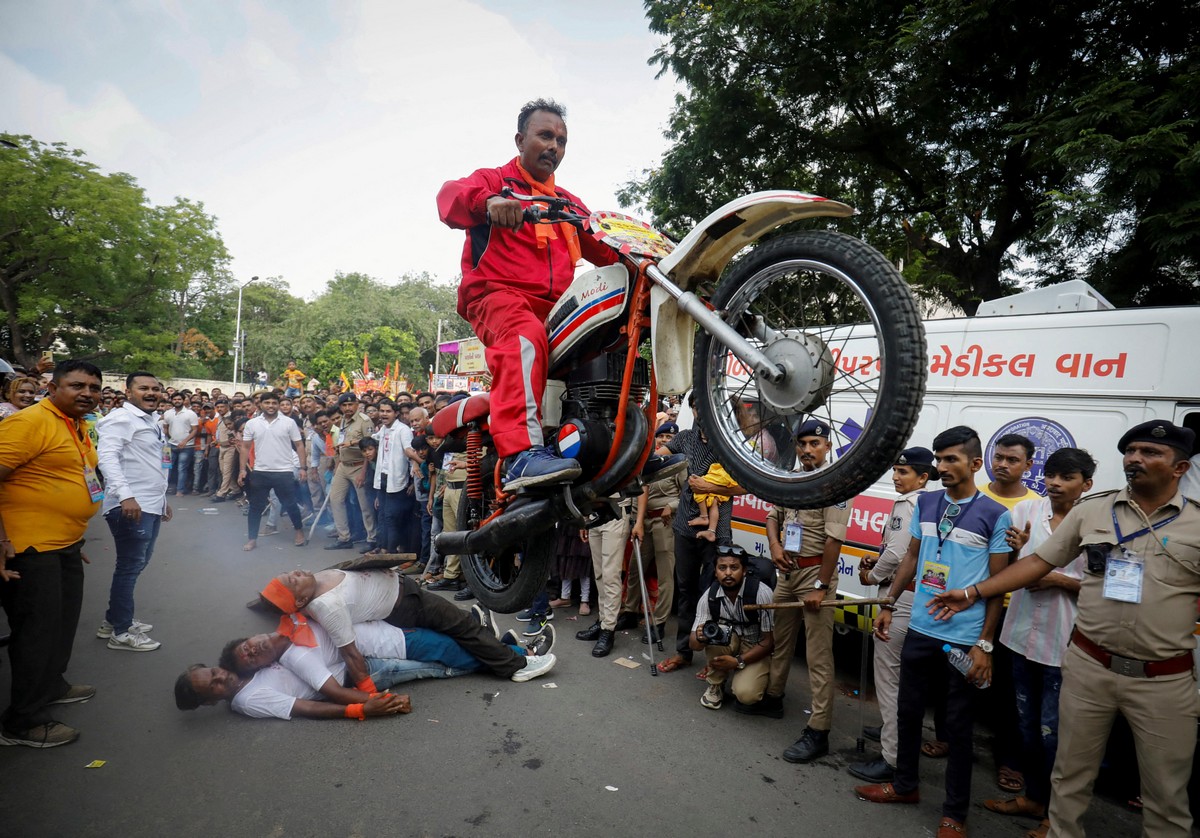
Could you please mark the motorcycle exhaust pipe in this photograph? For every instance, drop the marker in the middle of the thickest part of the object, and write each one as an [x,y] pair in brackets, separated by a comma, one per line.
[516,524]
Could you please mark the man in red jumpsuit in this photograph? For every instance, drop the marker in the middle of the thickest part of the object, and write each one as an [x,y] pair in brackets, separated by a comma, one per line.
[513,273]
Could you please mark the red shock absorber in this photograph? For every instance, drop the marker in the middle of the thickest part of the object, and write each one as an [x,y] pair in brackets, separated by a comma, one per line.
[474,452]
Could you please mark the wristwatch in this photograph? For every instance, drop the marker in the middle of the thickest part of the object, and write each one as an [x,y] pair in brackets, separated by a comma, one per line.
[821,586]
[985,645]
[741,663]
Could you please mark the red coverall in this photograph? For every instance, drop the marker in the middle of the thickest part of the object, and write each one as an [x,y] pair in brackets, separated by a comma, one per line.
[508,287]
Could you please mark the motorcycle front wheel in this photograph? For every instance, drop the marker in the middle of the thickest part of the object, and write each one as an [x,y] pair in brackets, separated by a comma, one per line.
[506,581]
[842,322]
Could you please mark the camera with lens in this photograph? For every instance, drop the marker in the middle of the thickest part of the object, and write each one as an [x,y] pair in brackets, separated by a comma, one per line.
[713,633]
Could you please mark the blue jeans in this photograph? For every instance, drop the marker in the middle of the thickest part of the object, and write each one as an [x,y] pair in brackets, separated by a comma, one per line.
[387,672]
[181,465]
[135,544]
[426,526]
[1037,687]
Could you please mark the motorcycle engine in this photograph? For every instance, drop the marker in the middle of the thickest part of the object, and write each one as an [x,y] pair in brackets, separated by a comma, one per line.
[593,392]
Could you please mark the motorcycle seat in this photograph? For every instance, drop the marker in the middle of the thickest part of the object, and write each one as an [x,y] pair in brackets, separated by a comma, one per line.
[457,414]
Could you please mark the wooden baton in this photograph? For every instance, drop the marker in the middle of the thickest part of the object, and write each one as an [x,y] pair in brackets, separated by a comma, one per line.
[829,603]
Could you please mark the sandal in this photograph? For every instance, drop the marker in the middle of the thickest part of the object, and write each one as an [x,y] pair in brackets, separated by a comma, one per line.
[1009,779]
[950,827]
[672,663]
[1019,805]
[702,675]
[1039,831]
[935,749]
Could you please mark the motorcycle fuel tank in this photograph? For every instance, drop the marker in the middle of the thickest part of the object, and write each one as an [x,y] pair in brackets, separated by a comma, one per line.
[593,299]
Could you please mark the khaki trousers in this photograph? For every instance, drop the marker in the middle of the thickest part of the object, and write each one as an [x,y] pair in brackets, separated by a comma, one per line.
[228,462]
[659,545]
[342,484]
[887,677]
[818,645]
[1162,715]
[450,502]
[607,543]
[749,684]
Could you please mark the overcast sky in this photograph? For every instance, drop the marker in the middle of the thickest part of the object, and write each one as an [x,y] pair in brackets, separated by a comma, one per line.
[319,131]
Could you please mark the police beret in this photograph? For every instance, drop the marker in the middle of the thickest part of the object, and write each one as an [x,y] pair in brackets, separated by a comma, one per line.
[667,428]
[346,397]
[813,427]
[1162,432]
[915,457]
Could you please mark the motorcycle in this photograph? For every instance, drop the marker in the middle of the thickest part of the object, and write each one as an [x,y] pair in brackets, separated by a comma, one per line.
[804,325]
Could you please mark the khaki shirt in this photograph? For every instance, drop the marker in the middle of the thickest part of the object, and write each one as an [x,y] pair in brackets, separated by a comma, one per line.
[357,428]
[665,493]
[1161,625]
[818,524]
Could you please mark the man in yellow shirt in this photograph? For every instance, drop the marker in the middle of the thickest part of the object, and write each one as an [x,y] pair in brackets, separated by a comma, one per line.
[49,491]
[294,379]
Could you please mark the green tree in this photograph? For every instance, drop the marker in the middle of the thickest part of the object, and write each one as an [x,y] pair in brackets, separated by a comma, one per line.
[982,142]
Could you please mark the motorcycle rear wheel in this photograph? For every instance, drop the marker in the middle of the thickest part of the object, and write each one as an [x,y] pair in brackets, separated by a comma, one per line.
[843,321]
[498,580]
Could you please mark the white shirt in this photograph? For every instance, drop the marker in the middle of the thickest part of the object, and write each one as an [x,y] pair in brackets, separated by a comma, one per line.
[130,452]
[392,461]
[1189,486]
[359,597]
[179,423]
[314,665]
[274,442]
[271,694]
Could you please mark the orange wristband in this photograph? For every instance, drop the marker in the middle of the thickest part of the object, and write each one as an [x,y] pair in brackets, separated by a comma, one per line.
[355,711]
[367,685]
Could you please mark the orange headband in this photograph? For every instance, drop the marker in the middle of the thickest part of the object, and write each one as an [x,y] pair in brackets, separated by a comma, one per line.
[279,596]
[295,627]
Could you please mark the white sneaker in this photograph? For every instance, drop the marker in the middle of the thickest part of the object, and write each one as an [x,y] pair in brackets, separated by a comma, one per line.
[535,666]
[138,627]
[713,696]
[132,642]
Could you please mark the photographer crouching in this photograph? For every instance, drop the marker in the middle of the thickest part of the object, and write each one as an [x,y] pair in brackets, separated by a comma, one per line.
[734,643]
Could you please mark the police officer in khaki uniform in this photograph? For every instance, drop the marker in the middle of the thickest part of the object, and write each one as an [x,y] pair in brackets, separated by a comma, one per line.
[652,528]
[350,474]
[1131,650]
[805,545]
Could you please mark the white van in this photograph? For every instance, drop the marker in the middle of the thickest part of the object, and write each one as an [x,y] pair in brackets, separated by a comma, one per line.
[1058,365]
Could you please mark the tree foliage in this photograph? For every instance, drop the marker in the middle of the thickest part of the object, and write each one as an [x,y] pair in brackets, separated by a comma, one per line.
[983,142]
[87,263]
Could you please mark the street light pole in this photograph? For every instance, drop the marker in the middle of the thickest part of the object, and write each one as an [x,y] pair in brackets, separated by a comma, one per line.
[237,332]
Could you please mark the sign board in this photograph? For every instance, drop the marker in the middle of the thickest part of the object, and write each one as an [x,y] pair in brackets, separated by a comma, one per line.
[470,357]
[451,383]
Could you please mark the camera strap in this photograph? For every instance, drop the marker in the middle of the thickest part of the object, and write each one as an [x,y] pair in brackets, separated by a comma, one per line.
[748,595]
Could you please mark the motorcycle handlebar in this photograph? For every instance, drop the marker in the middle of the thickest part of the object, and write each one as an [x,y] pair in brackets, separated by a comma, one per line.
[554,211]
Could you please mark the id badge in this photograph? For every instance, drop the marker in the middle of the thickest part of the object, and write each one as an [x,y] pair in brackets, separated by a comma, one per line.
[935,576]
[793,534]
[166,455]
[1123,578]
[93,484]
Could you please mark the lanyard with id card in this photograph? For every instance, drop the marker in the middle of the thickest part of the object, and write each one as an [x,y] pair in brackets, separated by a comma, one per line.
[90,478]
[1124,573]
[793,535]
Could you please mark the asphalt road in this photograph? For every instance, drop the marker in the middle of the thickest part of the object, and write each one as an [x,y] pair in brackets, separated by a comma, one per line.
[592,749]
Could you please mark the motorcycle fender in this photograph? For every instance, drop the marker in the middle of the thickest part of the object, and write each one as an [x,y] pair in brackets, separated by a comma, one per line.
[707,249]
[703,255]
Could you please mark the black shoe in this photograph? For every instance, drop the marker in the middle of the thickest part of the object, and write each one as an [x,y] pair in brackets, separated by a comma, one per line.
[875,771]
[770,706]
[444,584]
[810,745]
[219,499]
[464,595]
[341,545]
[368,547]
[604,643]
[590,633]
[874,734]
[655,633]
[626,620]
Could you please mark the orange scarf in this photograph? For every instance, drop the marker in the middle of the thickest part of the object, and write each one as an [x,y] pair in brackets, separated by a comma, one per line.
[279,596]
[295,628]
[546,232]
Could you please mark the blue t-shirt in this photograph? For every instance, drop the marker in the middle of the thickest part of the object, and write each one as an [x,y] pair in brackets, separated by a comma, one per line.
[956,560]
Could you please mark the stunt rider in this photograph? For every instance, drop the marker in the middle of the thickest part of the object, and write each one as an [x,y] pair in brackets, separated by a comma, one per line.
[513,274]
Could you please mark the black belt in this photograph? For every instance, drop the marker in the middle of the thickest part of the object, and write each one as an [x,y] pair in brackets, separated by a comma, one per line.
[455,484]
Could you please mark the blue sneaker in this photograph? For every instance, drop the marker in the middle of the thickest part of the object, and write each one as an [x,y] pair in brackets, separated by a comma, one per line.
[539,467]
[659,467]
[528,614]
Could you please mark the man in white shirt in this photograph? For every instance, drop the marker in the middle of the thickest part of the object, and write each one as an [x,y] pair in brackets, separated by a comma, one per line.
[278,450]
[393,476]
[134,458]
[181,424]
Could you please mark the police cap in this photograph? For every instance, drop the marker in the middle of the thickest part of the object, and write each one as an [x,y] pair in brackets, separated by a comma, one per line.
[1162,432]
[667,428]
[916,456]
[813,427]
[346,397]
